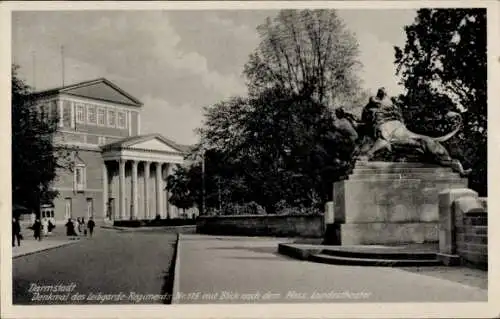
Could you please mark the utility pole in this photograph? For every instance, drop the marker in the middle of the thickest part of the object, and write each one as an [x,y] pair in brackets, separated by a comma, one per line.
[203,183]
[62,64]
[34,70]
[220,197]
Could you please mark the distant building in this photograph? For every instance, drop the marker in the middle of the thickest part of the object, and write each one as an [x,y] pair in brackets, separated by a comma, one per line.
[116,173]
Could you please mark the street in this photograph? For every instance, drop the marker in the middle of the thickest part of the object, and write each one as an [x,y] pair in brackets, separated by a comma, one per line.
[133,267]
[113,267]
[225,269]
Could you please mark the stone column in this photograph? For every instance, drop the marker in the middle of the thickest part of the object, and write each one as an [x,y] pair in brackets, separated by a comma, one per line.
[447,218]
[146,190]
[123,209]
[60,113]
[159,190]
[134,212]
[72,111]
[105,191]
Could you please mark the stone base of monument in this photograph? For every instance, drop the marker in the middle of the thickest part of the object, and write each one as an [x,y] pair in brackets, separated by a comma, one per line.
[389,203]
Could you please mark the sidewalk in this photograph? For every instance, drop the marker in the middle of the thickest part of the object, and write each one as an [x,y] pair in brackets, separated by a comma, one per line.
[217,269]
[30,246]
[182,228]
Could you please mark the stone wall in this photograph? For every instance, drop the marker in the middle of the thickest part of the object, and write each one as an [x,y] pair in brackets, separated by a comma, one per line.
[262,225]
[472,238]
[463,227]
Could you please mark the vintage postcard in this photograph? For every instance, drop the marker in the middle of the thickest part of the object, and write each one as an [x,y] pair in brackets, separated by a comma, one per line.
[249,159]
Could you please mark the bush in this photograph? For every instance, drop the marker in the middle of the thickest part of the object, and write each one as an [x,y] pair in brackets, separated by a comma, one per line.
[128,223]
[156,222]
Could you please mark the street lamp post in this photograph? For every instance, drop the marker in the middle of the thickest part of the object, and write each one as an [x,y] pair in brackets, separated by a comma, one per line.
[202,183]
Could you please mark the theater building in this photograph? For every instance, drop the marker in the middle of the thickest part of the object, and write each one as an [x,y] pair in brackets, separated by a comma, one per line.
[114,172]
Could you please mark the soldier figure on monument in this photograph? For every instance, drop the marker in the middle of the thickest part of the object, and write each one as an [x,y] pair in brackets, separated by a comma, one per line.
[382,122]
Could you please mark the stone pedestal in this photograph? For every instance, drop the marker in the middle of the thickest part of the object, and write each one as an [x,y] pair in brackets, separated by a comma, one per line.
[391,203]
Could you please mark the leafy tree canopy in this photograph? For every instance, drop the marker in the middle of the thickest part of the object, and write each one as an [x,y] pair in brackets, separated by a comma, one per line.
[443,68]
[34,157]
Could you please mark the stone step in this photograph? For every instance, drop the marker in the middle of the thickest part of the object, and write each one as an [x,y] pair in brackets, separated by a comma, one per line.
[398,170]
[337,260]
[418,176]
[383,165]
[380,254]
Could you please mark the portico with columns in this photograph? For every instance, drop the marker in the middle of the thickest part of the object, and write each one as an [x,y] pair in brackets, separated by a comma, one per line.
[134,175]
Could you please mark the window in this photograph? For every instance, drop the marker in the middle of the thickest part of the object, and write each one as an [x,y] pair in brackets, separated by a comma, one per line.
[101,116]
[67,207]
[90,207]
[111,118]
[122,120]
[91,114]
[101,140]
[80,178]
[80,113]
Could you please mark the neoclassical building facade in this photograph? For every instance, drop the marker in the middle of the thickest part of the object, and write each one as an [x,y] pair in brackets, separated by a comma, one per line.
[114,172]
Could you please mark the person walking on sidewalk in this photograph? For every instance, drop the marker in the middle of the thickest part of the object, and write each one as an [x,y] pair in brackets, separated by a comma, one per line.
[16,232]
[37,229]
[79,225]
[70,228]
[84,227]
[91,225]
[45,226]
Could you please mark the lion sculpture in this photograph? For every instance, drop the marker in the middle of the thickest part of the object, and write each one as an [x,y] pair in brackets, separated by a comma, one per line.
[383,124]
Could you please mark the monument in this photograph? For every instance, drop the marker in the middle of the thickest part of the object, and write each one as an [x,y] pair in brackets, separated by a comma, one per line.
[389,203]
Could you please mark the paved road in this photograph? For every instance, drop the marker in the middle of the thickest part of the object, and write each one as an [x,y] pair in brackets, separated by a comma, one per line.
[248,270]
[108,269]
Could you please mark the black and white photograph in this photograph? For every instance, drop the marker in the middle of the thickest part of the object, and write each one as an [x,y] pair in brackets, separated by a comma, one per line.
[323,155]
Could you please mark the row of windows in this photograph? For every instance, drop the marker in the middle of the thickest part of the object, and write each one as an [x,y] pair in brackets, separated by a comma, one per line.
[100,116]
[90,114]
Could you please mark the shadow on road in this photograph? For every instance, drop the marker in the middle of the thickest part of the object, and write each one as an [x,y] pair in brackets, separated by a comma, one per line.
[168,277]
[274,257]
[261,249]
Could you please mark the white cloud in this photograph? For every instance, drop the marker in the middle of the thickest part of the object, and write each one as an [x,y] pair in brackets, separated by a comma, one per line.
[140,51]
[174,122]
[175,66]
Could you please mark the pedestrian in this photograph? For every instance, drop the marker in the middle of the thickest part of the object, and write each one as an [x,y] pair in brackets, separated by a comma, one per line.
[16,232]
[45,226]
[70,228]
[84,227]
[79,225]
[37,229]
[91,225]
[51,226]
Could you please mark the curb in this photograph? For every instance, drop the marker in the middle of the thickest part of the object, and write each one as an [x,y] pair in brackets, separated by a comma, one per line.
[163,228]
[175,286]
[47,248]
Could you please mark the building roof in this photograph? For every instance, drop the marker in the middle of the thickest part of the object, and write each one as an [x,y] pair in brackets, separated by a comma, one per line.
[99,89]
[132,140]
[186,148]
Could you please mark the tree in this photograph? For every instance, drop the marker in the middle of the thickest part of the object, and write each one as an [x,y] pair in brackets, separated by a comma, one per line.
[179,184]
[285,149]
[34,157]
[308,52]
[279,144]
[443,67]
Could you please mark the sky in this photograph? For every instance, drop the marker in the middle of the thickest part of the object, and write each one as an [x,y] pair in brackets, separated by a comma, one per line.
[177,62]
